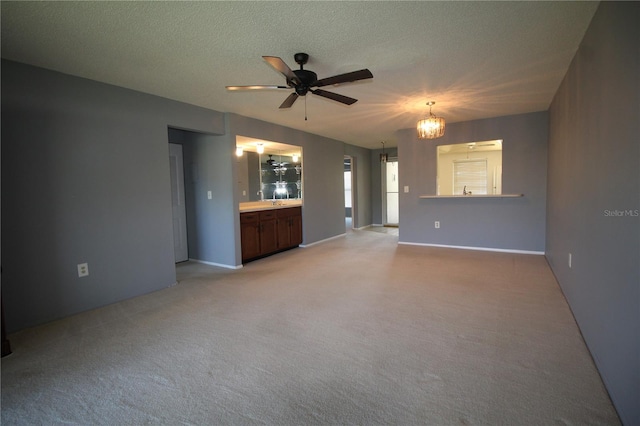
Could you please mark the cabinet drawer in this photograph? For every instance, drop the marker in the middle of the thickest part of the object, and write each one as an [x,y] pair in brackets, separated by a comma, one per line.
[249,217]
[293,211]
[269,214]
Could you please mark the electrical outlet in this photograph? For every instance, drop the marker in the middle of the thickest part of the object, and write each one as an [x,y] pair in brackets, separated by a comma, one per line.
[83,270]
[406,189]
[569,261]
[437,224]
[209,195]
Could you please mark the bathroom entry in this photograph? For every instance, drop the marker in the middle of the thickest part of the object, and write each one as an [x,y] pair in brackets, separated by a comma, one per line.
[390,200]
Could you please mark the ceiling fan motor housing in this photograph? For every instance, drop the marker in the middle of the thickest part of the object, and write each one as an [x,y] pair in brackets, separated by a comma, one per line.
[307,78]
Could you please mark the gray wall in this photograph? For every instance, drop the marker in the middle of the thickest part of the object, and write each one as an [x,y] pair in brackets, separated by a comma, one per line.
[503,224]
[594,168]
[361,163]
[244,178]
[85,178]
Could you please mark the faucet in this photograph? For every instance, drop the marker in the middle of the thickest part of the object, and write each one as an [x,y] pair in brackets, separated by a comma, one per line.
[464,190]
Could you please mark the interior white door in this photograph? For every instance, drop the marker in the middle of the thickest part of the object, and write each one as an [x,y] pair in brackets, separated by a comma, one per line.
[178,203]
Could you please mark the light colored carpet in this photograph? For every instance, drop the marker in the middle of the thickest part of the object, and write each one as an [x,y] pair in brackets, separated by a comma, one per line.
[357,330]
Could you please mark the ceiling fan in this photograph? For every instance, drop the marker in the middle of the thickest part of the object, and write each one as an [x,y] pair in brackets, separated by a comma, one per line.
[304,81]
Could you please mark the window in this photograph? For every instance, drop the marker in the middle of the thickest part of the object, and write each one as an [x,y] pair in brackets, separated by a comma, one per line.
[470,176]
[347,189]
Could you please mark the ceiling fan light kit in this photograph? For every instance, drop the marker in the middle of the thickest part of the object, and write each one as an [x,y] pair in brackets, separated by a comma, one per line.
[431,127]
[305,81]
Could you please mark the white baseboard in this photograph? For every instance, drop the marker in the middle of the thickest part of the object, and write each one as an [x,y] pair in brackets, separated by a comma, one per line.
[363,227]
[221,265]
[323,241]
[539,253]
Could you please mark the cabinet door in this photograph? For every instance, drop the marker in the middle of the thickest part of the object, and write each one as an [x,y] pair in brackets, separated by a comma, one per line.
[268,232]
[268,236]
[250,239]
[294,220]
[284,232]
[296,230]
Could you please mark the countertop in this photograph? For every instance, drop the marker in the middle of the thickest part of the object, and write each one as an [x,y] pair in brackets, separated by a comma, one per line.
[268,205]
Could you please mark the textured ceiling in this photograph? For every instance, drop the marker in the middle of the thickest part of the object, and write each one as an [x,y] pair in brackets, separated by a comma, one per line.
[475,59]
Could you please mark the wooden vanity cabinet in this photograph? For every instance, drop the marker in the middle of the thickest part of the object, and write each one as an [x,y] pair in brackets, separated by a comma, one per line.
[269,231]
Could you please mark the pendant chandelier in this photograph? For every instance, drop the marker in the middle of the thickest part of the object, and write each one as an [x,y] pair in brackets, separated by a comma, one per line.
[431,127]
[384,157]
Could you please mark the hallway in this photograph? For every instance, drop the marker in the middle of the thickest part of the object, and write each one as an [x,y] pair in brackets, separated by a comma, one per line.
[390,230]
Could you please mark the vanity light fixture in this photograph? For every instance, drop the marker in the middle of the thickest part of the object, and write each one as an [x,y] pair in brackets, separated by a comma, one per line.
[295,158]
[260,148]
[239,151]
[430,127]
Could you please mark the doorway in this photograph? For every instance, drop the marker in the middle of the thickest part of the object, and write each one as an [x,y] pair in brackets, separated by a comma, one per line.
[390,195]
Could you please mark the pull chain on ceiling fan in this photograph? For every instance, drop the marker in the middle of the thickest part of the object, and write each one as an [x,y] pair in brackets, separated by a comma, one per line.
[305,81]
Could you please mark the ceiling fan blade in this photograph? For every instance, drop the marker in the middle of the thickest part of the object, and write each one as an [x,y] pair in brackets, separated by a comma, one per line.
[255,87]
[334,96]
[344,78]
[280,66]
[289,101]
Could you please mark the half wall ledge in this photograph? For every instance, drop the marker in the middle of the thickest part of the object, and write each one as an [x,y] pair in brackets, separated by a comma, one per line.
[474,196]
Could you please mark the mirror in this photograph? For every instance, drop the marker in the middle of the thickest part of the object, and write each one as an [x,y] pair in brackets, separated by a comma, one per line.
[472,168]
[275,174]
[281,177]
